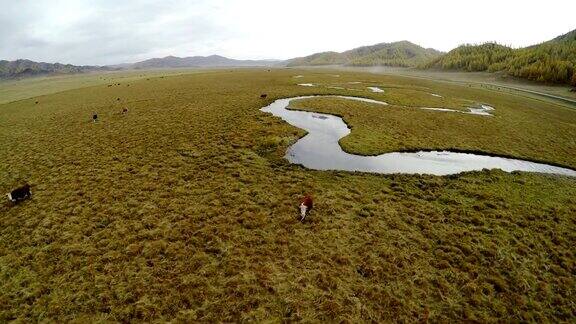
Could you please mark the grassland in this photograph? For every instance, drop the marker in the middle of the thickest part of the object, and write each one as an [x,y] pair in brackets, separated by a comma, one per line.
[13,90]
[185,210]
[496,82]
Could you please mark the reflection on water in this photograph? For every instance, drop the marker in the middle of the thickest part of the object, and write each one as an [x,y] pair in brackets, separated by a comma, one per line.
[375,89]
[320,149]
[483,110]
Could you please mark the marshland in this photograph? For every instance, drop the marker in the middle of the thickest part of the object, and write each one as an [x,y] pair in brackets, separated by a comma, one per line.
[184,208]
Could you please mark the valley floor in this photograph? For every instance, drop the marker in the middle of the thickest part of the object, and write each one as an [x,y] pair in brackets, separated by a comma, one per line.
[559,94]
[184,209]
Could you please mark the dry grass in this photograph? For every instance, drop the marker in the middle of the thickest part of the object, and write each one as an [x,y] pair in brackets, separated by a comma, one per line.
[184,209]
[18,89]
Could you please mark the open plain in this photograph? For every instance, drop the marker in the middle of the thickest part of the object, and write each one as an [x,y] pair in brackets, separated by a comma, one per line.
[184,208]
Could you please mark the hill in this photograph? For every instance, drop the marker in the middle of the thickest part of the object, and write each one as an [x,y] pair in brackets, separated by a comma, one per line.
[27,68]
[553,61]
[323,58]
[569,36]
[196,61]
[401,53]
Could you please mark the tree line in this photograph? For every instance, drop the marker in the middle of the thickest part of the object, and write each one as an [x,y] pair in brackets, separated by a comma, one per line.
[550,62]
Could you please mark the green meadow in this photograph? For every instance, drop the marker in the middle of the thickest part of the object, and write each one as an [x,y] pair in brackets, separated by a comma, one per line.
[184,209]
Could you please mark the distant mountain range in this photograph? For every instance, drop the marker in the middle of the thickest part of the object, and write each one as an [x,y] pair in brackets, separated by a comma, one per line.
[195,61]
[553,61]
[27,68]
[403,53]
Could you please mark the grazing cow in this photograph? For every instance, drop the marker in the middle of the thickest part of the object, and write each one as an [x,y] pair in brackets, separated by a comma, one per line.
[263,96]
[19,194]
[118,99]
[124,110]
[94,117]
[306,205]
[37,102]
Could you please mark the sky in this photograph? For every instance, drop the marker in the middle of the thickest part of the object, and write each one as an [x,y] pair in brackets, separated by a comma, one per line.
[101,32]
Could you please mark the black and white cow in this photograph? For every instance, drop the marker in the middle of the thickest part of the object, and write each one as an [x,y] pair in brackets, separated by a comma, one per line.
[19,194]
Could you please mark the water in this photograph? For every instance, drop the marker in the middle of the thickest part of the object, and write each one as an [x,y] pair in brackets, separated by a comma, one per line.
[372,101]
[440,109]
[320,150]
[483,110]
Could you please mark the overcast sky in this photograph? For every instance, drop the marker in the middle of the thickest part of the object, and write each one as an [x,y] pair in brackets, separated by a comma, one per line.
[117,31]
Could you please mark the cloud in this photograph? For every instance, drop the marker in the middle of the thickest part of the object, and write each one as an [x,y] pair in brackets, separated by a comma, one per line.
[110,32]
[105,32]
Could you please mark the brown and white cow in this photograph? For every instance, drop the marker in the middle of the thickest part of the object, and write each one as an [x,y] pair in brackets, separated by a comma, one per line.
[306,205]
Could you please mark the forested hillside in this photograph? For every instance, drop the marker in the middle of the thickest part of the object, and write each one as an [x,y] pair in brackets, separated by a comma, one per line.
[553,61]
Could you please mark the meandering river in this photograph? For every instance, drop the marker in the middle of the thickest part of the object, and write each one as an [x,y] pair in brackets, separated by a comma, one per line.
[320,150]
